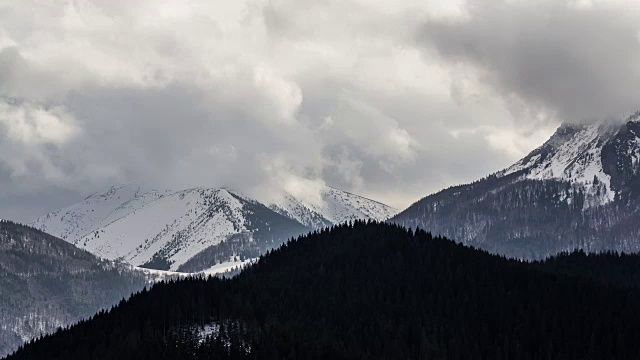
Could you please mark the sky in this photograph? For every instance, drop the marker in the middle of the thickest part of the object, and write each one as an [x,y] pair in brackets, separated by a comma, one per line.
[392,100]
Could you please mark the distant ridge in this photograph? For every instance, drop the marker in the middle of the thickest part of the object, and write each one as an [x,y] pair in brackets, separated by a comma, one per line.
[579,190]
[194,229]
[46,283]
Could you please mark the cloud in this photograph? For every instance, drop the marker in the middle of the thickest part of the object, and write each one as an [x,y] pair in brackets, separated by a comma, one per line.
[33,125]
[392,100]
[284,95]
[33,140]
[572,60]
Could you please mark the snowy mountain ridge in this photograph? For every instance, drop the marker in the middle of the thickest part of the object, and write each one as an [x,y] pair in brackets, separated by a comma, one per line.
[333,206]
[575,153]
[579,190]
[167,229]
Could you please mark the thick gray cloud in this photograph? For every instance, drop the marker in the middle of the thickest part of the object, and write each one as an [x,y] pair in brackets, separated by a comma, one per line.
[392,100]
[577,60]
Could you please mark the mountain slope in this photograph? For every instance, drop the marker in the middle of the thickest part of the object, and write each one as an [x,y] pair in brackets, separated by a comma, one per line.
[580,189]
[46,283]
[194,229]
[331,206]
[368,291]
[165,229]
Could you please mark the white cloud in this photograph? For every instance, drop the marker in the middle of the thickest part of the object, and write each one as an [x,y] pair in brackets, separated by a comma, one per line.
[251,93]
[285,95]
[31,124]
[34,142]
[309,191]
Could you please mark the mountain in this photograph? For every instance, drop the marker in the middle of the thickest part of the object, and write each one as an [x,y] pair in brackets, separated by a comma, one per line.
[328,207]
[46,283]
[579,190]
[194,229]
[372,291]
[188,230]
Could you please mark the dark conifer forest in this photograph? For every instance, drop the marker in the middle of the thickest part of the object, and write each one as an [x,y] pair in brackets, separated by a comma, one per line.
[373,291]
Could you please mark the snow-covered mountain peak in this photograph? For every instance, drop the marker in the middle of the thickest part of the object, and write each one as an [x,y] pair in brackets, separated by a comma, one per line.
[589,155]
[135,222]
[579,190]
[317,205]
[166,229]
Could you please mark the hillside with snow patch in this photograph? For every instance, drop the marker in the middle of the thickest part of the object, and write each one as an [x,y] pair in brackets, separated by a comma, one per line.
[330,206]
[194,229]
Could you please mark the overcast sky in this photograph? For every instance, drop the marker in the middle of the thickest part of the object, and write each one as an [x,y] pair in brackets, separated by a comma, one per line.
[392,100]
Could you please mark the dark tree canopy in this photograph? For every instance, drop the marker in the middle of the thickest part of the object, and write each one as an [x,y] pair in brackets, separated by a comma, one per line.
[370,291]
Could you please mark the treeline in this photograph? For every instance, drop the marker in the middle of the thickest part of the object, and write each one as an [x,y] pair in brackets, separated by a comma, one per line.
[607,267]
[370,291]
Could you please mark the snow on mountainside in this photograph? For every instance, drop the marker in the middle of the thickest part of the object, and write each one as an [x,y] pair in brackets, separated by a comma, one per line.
[222,269]
[138,225]
[575,153]
[96,211]
[329,206]
[195,229]
[579,190]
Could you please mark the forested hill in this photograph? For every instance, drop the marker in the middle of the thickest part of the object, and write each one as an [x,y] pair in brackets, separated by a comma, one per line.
[367,291]
[46,283]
